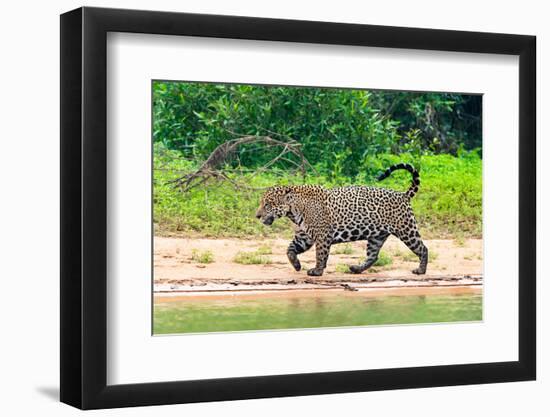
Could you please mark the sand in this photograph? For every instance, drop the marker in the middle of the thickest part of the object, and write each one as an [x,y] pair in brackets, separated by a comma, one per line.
[452,264]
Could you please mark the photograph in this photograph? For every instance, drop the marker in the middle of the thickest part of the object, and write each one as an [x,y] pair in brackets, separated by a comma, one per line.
[302,207]
[255,207]
[262,209]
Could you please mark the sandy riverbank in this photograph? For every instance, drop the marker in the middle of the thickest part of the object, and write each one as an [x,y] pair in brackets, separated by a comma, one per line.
[452,264]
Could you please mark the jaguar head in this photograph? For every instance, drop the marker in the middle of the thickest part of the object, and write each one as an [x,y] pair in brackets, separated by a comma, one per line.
[274,204]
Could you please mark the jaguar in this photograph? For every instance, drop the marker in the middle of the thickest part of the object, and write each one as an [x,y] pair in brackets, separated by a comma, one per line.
[327,216]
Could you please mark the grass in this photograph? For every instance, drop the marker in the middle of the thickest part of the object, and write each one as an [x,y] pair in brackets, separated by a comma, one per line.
[411,257]
[264,250]
[459,241]
[251,258]
[345,249]
[447,205]
[342,268]
[383,259]
[202,257]
[449,200]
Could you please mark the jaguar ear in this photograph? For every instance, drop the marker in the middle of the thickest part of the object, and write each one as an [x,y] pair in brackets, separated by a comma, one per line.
[290,196]
[288,200]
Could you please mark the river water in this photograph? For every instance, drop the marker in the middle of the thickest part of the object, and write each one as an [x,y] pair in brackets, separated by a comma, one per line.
[303,310]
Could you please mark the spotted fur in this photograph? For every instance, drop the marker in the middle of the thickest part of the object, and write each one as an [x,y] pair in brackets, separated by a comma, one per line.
[324,217]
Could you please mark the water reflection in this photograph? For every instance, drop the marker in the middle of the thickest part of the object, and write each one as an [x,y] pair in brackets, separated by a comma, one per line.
[306,311]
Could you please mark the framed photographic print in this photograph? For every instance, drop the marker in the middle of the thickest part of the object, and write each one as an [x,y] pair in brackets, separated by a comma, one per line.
[257,208]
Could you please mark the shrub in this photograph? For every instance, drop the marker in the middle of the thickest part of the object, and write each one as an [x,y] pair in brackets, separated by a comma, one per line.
[383,259]
[264,250]
[251,258]
[202,257]
[342,268]
[448,203]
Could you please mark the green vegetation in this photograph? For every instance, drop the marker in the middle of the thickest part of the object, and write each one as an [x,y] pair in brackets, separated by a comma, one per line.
[448,203]
[264,250]
[336,127]
[383,259]
[202,257]
[349,136]
[343,249]
[459,240]
[251,258]
[410,256]
[342,268]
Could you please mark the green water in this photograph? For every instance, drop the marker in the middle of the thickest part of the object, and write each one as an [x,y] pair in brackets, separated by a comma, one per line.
[235,313]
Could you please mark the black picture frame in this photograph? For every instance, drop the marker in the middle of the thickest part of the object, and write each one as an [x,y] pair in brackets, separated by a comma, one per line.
[84,207]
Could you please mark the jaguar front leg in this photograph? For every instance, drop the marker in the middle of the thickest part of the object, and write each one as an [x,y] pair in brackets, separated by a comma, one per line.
[301,243]
[322,250]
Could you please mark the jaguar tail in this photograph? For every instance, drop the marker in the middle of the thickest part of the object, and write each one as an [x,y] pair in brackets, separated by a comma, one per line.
[413,189]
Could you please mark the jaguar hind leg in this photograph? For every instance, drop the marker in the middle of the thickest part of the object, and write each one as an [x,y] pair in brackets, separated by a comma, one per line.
[421,251]
[416,245]
[374,244]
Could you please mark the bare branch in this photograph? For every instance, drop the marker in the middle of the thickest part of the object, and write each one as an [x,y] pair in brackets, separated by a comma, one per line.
[214,166]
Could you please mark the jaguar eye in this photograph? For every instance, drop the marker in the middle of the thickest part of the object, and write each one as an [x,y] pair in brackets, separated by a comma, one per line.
[267,206]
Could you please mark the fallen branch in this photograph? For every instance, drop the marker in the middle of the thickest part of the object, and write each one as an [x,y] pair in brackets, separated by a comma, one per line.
[214,167]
